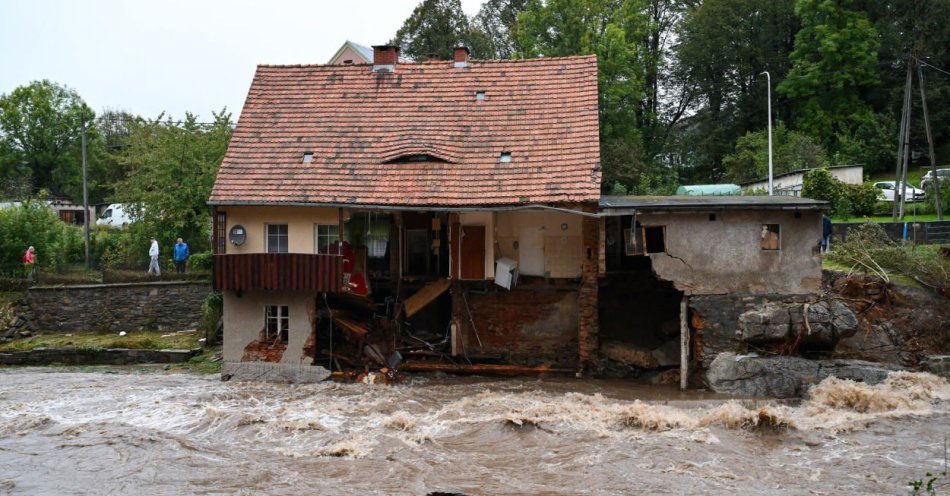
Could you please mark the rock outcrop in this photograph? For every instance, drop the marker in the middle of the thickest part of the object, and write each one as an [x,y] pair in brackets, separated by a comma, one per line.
[785,376]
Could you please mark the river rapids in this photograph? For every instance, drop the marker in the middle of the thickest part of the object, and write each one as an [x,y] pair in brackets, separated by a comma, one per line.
[158,433]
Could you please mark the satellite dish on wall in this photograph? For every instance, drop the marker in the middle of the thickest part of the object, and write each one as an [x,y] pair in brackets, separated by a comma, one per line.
[237,235]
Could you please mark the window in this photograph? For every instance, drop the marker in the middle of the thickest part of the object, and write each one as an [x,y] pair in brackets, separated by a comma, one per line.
[479,95]
[771,239]
[221,237]
[107,214]
[276,323]
[307,157]
[277,238]
[505,157]
[376,245]
[654,239]
[325,236]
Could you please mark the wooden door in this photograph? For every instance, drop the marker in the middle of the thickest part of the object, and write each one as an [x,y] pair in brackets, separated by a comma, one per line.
[473,252]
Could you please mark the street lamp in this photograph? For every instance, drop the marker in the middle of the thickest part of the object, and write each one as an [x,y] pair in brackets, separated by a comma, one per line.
[769,89]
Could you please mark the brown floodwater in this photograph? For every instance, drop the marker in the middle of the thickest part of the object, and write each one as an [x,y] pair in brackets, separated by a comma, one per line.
[158,433]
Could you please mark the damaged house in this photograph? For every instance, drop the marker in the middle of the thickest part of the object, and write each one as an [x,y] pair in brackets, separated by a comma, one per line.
[447,215]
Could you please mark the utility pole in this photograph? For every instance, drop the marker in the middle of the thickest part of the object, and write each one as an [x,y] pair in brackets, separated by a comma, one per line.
[769,93]
[85,191]
[930,142]
[897,210]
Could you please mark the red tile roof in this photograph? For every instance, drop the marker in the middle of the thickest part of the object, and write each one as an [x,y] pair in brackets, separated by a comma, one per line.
[356,122]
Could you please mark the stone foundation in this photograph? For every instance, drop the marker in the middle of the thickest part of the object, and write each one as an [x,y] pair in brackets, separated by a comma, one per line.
[116,356]
[273,372]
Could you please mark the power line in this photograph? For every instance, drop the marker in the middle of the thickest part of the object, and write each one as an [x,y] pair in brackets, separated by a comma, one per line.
[921,62]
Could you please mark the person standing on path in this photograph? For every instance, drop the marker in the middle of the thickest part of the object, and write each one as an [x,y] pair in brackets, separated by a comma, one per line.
[181,255]
[153,267]
[826,231]
[29,263]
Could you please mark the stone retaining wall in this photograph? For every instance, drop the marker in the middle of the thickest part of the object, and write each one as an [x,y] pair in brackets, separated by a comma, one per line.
[115,356]
[115,307]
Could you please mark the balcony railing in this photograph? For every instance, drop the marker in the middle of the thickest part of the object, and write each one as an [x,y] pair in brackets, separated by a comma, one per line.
[295,271]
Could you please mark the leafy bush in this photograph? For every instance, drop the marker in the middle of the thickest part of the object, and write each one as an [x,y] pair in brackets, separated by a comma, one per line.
[201,261]
[211,312]
[34,224]
[861,197]
[931,205]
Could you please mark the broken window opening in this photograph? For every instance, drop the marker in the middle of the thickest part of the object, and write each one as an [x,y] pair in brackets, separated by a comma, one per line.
[277,238]
[771,237]
[654,239]
[277,323]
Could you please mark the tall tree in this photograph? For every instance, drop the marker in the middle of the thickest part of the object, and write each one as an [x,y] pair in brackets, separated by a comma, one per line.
[724,45]
[833,63]
[171,169]
[497,21]
[435,28]
[40,127]
[613,30]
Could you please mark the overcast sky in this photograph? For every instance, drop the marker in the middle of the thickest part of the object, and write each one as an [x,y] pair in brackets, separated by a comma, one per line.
[147,57]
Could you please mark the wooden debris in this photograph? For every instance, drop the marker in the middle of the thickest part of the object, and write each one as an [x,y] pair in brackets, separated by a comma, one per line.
[420,299]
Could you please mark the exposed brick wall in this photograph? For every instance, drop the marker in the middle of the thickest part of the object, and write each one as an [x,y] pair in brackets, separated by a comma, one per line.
[531,324]
[588,323]
[117,307]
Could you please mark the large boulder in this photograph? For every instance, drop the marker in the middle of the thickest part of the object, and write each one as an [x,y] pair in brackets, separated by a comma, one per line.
[785,376]
[769,323]
[829,321]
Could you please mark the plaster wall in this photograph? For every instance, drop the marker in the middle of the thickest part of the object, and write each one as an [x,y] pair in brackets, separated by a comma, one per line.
[300,225]
[244,320]
[706,256]
[561,253]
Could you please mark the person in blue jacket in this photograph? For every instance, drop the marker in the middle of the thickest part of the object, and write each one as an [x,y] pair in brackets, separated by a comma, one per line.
[180,255]
[826,231]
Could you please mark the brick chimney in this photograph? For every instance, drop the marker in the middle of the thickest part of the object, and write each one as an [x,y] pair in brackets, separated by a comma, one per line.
[461,56]
[385,58]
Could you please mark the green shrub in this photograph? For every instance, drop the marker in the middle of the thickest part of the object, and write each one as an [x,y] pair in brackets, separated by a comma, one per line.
[201,261]
[861,197]
[931,202]
[34,224]
[819,184]
[211,312]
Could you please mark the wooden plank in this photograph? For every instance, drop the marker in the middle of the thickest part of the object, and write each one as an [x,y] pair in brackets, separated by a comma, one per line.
[420,299]
[353,327]
[479,368]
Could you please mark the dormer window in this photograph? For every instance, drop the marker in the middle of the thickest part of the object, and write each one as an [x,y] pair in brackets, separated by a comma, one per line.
[479,95]
[418,157]
[307,157]
[505,157]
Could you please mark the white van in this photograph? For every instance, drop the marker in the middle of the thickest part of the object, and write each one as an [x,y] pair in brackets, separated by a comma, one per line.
[116,215]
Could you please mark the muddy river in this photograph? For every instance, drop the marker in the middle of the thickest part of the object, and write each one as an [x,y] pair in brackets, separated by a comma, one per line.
[158,433]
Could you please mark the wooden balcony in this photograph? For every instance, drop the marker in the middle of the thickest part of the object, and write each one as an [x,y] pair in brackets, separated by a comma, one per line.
[293,271]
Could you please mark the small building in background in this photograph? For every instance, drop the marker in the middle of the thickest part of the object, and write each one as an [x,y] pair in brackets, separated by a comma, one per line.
[709,190]
[790,183]
[352,53]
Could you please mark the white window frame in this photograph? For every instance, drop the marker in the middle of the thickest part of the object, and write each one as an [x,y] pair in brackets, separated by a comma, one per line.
[267,237]
[281,318]
[317,235]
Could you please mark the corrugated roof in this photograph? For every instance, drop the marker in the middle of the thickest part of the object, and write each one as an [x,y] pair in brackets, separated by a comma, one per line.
[357,122]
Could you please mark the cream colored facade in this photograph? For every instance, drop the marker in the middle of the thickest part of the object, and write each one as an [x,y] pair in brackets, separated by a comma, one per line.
[244,321]
[544,242]
[301,222]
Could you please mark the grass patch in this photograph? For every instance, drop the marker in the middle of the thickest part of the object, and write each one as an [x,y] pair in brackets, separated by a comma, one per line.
[887,218]
[140,340]
[208,362]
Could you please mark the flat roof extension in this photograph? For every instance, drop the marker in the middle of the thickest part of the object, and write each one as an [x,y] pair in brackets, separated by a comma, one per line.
[621,205]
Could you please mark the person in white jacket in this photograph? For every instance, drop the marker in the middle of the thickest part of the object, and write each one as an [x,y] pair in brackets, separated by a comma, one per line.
[153,267]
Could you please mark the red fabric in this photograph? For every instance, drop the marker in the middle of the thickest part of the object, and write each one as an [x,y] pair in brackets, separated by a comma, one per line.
[356,122]
[28,257]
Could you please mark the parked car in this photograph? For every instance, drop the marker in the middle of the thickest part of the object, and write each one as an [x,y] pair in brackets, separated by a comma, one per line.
[942,174]
[116,215]
[891,190]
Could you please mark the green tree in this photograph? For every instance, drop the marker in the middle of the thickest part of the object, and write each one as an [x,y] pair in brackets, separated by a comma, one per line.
[171,170]
[40,128]
[32,223]
[724,45]
[497,22]
[613,30]
[435,28]
[791,151]
[834,61]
